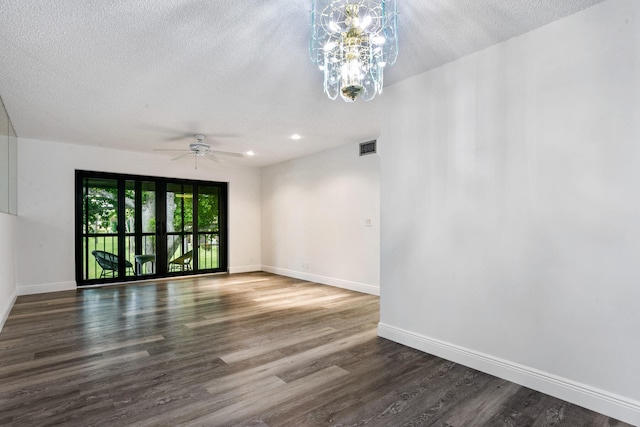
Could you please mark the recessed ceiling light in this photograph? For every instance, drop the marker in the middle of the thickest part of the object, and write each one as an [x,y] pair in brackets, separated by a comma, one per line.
[295,137]
[250,153]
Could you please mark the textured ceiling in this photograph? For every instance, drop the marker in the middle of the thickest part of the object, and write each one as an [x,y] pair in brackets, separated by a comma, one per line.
[138,75]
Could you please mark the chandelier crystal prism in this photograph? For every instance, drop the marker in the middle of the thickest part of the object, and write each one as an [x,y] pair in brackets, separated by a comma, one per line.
[352,41]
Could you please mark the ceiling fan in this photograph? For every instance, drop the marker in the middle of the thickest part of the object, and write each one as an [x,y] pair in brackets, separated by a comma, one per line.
[200,149]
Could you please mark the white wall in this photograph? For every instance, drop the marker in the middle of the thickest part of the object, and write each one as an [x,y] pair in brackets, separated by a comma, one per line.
[7,265]
[45,249]
[314,213]
[510,208]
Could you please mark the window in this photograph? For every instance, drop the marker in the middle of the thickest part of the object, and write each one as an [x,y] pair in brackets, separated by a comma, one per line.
[133,227]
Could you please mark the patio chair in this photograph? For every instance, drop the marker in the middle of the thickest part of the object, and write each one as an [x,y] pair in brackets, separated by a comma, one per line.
[108,262]
[182,262]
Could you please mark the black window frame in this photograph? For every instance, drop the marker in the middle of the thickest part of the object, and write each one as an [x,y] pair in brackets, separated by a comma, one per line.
[161,184]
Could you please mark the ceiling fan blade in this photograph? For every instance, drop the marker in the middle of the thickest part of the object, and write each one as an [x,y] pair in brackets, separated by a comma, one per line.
[170,149]
[226,153]
[180,137]
[213,159]
[182,156]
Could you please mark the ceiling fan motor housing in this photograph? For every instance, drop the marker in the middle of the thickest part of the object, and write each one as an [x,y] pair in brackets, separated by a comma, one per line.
[199,148]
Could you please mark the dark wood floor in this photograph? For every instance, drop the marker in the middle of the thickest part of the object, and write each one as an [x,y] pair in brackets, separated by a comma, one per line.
[250,349]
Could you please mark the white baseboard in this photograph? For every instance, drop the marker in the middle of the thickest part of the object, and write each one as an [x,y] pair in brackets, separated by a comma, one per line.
[46,287]
[244,269]
[6,308]
[610,404]
[331,281]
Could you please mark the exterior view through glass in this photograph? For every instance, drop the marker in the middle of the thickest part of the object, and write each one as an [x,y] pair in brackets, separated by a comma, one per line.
[131,227]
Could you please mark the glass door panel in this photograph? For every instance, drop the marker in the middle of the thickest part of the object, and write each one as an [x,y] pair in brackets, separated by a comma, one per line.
[146,255]
[179,223]
[140,215]
[208,257]
[100,249]
[130,223]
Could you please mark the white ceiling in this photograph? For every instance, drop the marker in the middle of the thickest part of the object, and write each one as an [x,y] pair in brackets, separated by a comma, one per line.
[138,75]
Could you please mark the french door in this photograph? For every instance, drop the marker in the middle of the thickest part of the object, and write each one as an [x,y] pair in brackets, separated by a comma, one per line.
[131,227]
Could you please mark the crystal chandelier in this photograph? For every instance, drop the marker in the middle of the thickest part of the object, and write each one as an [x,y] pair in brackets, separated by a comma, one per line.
[352,41]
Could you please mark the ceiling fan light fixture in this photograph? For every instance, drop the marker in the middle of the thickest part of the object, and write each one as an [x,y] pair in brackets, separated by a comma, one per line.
[200,149]
[352,41]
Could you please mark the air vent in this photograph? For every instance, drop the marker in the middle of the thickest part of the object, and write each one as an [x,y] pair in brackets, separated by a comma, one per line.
[368,148]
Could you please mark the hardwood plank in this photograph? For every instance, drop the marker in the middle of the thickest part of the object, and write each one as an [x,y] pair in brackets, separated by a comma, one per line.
[247,376]
[261,347]
[79,354]
[156,309]
[273,398]
[39,379]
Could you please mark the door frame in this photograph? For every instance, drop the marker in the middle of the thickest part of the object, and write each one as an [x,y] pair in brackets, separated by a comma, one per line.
[161,228]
